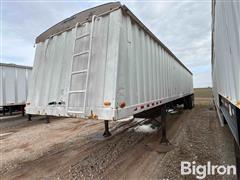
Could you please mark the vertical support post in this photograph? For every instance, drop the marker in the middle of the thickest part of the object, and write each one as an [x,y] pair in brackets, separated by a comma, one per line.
[3,111]
[47,119]
[106,131]
[236,144]
[29,117]
[22,109]
[10,110]
[237,160]
[193,101]
[163,131]
[185,103]
[237,155]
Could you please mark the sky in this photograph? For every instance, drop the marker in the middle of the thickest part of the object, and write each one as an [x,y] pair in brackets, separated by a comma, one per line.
[183,26]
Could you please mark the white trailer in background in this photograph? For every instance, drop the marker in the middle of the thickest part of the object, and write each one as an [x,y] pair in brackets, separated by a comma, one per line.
[226,65]
[13,86]
[104,63]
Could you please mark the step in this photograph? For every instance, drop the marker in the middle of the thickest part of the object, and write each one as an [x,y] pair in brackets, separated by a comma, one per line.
[77,91]
[79,72]
[82,36]
[78,54]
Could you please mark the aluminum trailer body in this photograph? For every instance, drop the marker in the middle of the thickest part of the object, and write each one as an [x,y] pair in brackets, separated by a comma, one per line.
[104,63]
[226,62]
[13,84]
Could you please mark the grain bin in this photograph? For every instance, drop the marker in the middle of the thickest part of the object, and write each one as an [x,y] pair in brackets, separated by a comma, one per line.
[104,63]
[226,62]
[13,85]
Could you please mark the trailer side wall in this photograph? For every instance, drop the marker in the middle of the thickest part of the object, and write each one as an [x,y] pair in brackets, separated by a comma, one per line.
[14,81]
[147,73]
[226,62]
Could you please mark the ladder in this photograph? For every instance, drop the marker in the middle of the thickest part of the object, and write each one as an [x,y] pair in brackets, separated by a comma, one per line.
[82,71]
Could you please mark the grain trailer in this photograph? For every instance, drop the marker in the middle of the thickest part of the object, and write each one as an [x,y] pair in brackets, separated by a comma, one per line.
[13,86]
[226,65]
[104,63]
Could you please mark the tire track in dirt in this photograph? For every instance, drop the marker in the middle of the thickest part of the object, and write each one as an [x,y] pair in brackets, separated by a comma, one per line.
[199,140]
[60,156]
[195,134]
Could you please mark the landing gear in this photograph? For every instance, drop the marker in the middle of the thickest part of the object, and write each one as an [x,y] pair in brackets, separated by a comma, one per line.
[10,110]
[29,117]
[106,132]
[47,119]
[164,145]
[163,131]
[237,154]
[3,110]
[23,111]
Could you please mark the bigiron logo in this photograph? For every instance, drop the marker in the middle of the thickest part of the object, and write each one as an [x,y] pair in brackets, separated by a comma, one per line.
[201,171]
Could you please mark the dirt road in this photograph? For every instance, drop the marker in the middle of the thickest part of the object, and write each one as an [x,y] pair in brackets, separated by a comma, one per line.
[75,149]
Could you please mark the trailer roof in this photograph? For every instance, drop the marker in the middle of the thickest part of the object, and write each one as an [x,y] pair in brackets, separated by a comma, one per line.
[86,15]
[80,17]
[15,65]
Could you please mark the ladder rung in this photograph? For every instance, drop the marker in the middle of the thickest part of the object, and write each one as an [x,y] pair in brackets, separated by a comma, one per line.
[82,36]
[76,112]
[78,54]
[78,72]
[77,91]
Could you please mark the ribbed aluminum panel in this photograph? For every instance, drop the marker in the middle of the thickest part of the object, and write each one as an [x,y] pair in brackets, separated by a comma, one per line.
[13,84]
[126,66]
[226,51]
[52,69]
[146,71]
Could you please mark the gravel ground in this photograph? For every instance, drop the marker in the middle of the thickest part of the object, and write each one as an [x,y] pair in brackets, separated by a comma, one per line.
[201,140]
[75,149]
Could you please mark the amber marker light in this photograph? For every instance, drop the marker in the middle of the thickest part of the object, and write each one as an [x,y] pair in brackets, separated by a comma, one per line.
[107,103]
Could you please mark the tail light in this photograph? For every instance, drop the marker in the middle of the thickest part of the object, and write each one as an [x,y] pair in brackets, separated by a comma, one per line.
[122,104]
